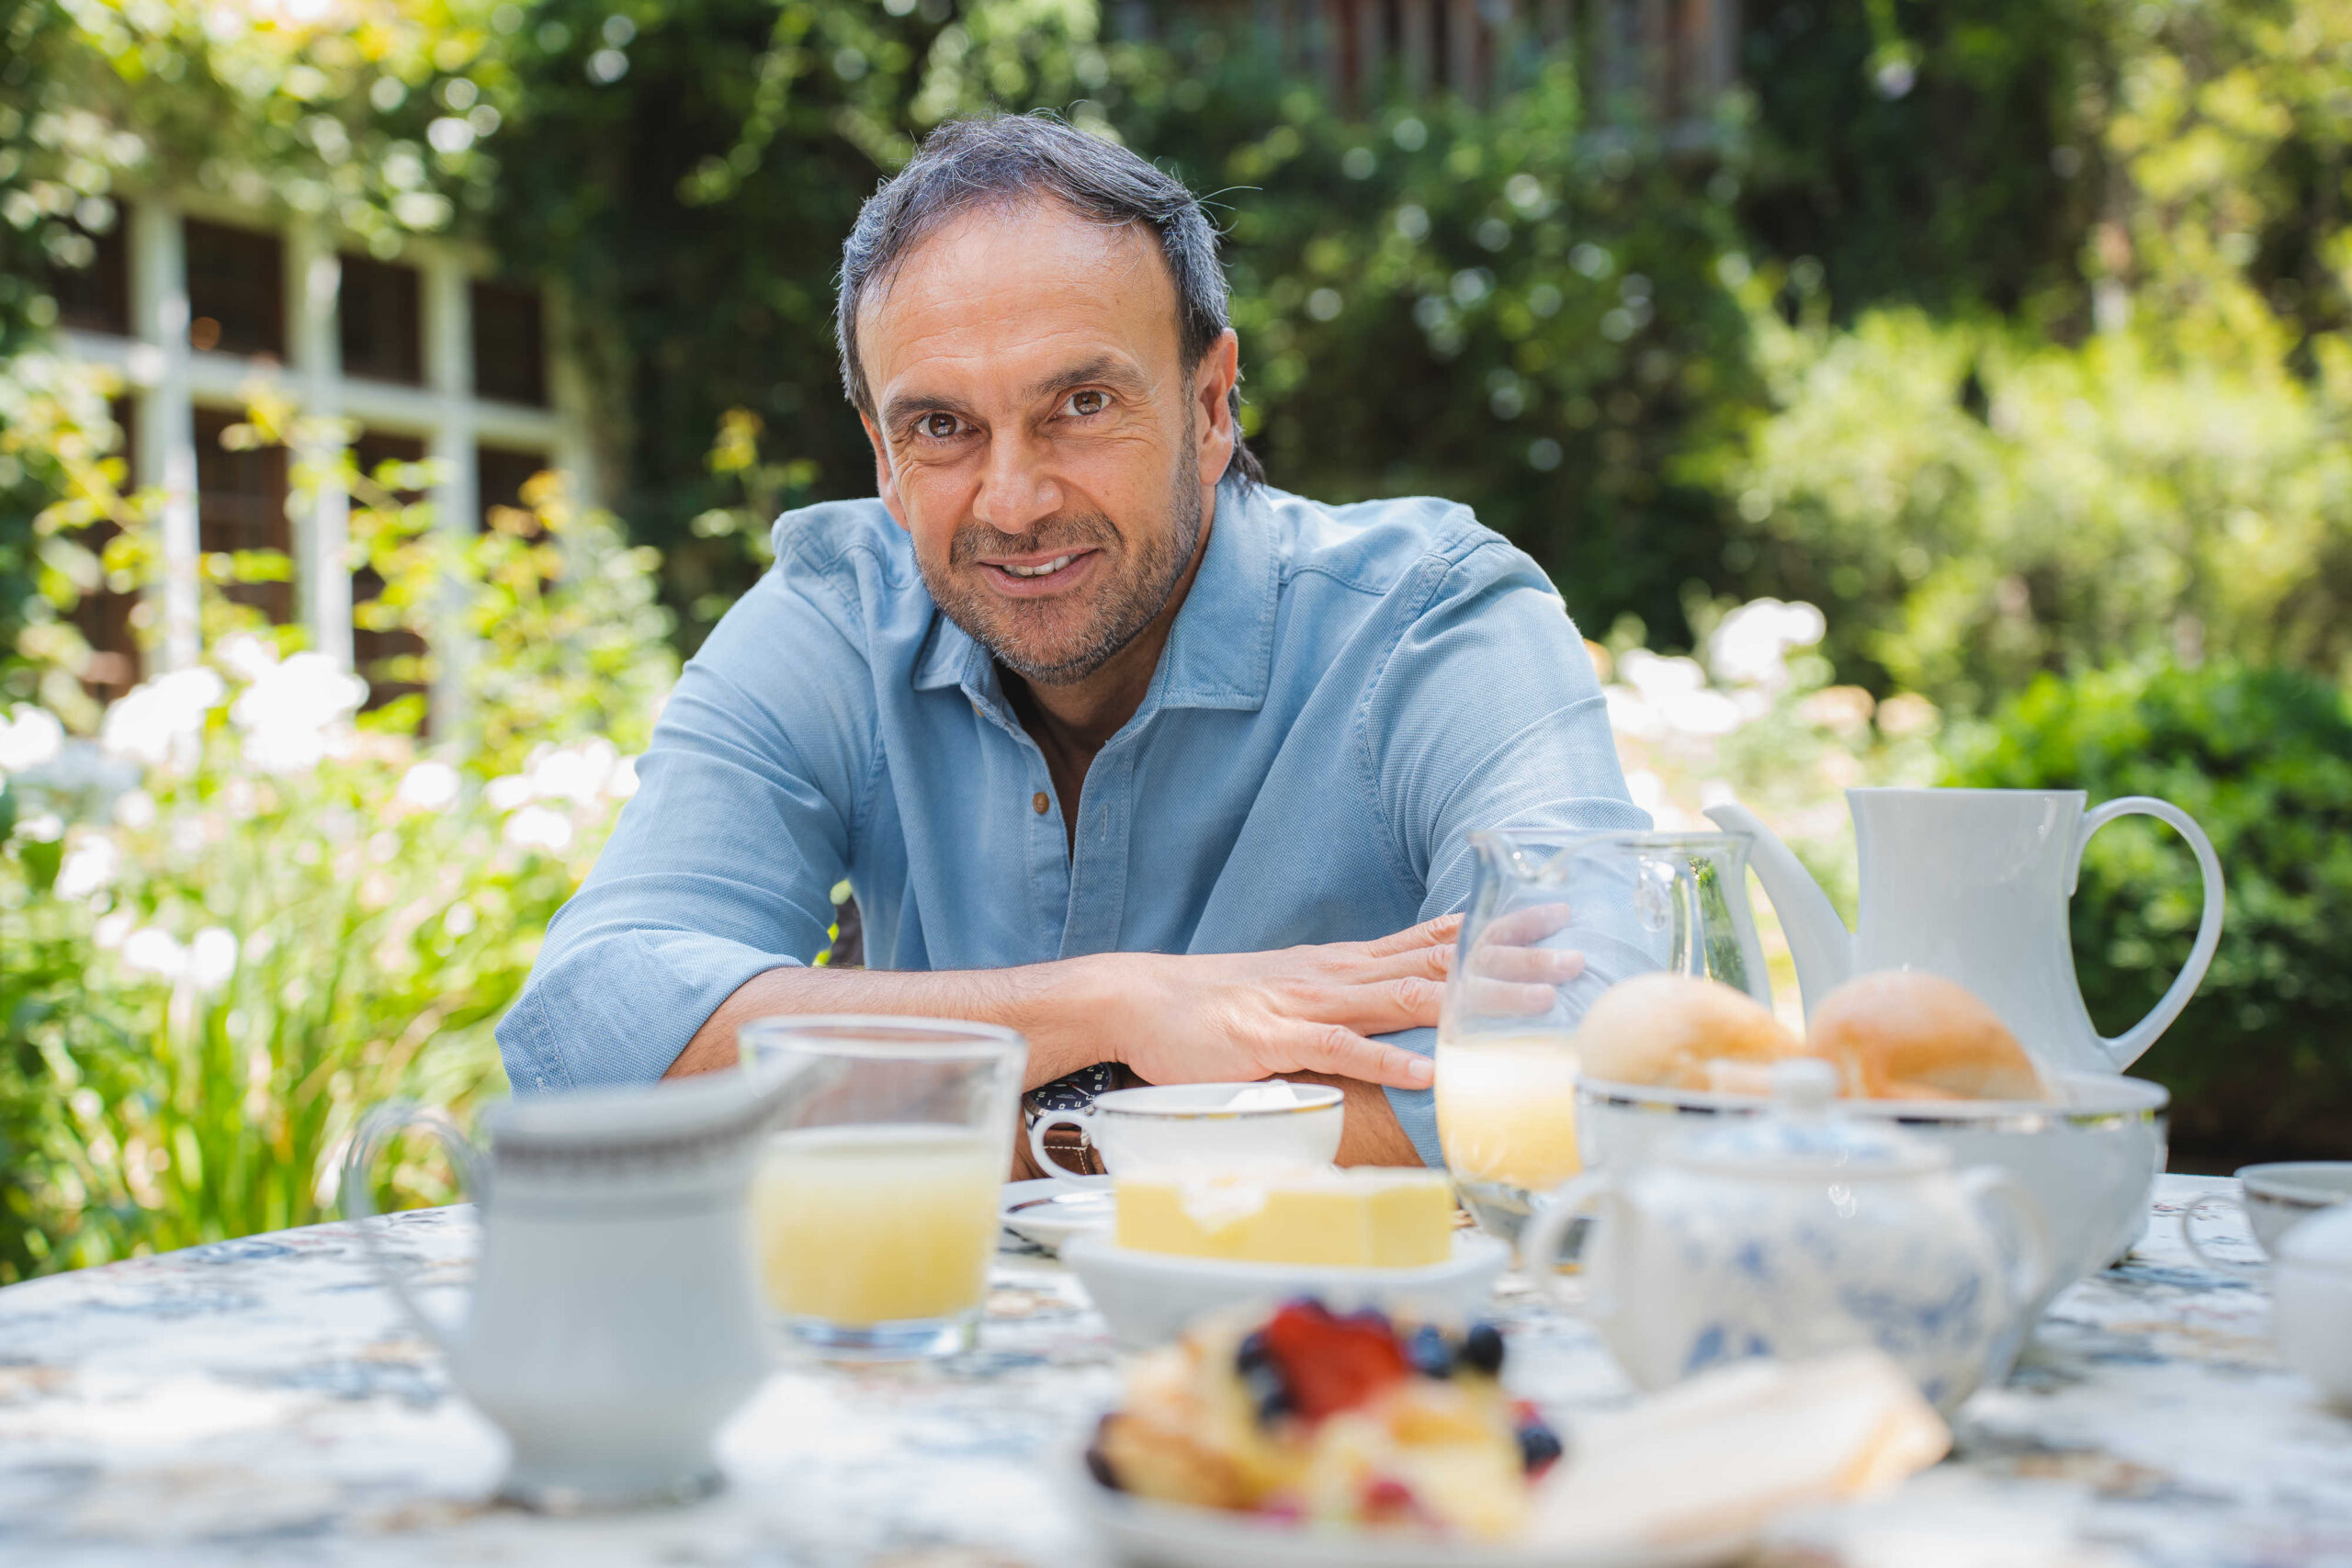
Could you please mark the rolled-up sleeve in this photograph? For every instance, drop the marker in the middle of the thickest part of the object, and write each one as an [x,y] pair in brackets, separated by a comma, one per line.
[1487,715]
[722,864]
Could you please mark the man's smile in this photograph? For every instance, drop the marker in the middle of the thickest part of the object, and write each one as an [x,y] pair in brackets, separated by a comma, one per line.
[1033,576]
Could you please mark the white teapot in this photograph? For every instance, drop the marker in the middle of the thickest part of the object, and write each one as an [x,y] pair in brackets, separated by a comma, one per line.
[1797,1233]
[616,1320]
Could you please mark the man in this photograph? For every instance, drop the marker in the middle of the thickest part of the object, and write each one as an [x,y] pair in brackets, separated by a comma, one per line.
[1117,746]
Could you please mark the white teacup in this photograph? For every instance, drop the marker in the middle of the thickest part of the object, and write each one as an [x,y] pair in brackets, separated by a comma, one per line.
[2275,1199]
[1200,1124]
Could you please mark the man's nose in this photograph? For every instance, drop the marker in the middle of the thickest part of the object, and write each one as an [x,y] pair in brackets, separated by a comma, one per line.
[1016,492]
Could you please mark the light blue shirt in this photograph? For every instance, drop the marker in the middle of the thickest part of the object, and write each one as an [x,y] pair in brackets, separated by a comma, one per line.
[1347,693]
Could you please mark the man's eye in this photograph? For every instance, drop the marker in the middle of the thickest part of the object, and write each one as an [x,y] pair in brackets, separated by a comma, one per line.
[938,426]
[1085,403]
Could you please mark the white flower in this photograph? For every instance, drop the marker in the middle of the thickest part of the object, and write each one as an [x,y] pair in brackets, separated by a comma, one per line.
[1752,645]
[151,949]
[30,738]
[158,721]
[46,827]
[89,865]
[135,810]
[576,774]
[246,657]
[296,714]
[213,958]
[112,928]
[459,919]
[1675,691]
[540,828]
[508,792]
[429,786]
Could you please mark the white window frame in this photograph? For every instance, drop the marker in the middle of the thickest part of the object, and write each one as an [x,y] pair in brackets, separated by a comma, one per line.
[167,380]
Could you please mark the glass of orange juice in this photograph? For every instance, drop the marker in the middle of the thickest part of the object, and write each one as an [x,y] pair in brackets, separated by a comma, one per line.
[874,1199]
[1556,918]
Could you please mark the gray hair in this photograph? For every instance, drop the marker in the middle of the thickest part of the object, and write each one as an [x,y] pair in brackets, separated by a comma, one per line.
[1001,158]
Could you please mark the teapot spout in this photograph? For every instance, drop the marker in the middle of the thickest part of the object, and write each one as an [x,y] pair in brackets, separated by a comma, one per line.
[1818,939]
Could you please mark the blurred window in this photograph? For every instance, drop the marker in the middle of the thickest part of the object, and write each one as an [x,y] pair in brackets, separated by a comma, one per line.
[103,617]
[236,290]
[96,297]
[510,345]
[380,321]
[387,657]
[241,505]
[502,472]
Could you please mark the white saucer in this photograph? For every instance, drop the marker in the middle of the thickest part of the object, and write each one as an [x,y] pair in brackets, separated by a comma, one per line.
[1149,1297]
[1049,1212]
[1170,1534]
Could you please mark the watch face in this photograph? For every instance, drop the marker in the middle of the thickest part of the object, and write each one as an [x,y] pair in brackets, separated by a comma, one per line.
[1074,1092]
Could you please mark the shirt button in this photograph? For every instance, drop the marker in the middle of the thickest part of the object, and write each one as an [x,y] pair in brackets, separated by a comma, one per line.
[1040,801]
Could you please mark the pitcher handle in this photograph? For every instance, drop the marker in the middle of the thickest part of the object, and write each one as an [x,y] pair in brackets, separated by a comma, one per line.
[1050,1165]
[2127,1047]
[1539,1243]
[2003,1200]
[376,1129]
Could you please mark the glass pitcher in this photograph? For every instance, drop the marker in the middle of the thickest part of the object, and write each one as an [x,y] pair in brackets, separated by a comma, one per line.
[1555,920]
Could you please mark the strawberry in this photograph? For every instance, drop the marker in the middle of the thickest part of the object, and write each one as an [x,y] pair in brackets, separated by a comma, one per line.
[1332,1363]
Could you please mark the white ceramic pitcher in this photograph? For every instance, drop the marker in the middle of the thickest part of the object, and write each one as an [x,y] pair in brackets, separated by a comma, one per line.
[1973,885]
[616,1320]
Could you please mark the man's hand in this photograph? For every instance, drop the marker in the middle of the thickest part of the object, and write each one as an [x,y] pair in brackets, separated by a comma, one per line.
[1213,1017]
[1190,1018]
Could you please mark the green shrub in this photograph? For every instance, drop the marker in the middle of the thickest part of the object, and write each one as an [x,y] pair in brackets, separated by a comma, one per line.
[2261,1062]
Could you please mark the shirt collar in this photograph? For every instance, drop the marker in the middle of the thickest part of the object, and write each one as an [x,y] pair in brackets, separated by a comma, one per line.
[1220,652]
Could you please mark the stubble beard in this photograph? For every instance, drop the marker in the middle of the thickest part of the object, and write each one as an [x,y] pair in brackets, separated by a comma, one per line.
[1153,563]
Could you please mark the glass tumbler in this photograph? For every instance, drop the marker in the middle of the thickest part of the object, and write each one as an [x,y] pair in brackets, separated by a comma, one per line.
[1554,919]
[874,1203]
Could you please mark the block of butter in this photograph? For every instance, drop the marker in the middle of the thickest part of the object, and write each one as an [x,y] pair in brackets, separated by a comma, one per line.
[1364,1217]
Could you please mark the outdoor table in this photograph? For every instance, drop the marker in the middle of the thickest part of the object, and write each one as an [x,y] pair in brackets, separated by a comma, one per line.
[261,1402]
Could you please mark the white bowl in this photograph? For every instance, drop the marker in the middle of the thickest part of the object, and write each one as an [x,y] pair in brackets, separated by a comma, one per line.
[2090,1159]
[1170,1534]
[1149,1298]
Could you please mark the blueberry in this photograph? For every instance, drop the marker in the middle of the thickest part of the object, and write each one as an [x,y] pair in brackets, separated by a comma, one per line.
[1098,1464]
[1482,1349]
[1268,1394]
[1251,1351]
[1538,1445]
[1427,1352]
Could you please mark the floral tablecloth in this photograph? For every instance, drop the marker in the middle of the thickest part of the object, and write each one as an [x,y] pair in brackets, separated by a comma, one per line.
[260,1402]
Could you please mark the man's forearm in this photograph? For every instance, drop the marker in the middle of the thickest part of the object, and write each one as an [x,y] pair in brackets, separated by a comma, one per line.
[1062,1008]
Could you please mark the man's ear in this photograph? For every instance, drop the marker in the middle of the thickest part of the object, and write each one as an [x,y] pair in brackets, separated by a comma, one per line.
[1212,386]
[885,483]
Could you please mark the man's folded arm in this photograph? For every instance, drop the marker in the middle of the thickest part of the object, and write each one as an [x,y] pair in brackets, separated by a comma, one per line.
[1488,715]
[721,866]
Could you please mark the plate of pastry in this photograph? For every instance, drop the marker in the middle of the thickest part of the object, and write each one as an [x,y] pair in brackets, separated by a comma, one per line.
[1303,1437]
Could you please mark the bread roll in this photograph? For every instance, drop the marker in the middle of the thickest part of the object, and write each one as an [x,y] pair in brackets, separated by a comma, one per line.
[1679,1031]
[1901,1035]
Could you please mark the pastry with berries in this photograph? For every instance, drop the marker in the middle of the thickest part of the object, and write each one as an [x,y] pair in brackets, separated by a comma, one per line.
[1333,1419]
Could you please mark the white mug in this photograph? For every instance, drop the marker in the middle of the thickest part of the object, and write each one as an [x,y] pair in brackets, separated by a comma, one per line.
[2275,1199]
[1197,1123]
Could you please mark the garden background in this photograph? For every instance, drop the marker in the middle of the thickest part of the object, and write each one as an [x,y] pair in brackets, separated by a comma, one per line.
[1960,395]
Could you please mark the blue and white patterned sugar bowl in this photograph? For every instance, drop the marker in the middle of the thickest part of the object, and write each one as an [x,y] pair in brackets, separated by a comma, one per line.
[1800,1233]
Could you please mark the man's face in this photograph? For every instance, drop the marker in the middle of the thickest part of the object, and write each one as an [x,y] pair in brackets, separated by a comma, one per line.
[1037,433]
